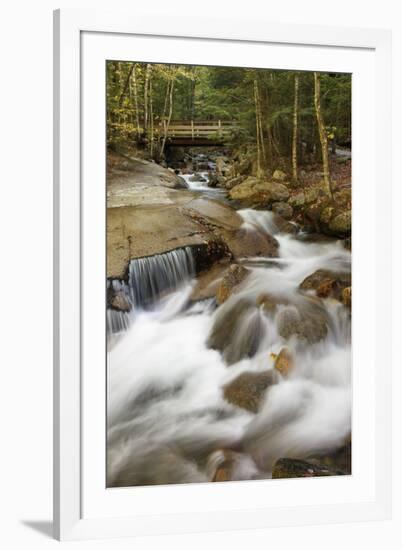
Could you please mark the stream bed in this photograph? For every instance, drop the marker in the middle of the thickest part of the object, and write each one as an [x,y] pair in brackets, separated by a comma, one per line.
[171,418]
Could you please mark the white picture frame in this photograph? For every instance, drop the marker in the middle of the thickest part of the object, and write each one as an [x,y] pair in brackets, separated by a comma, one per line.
[82,509]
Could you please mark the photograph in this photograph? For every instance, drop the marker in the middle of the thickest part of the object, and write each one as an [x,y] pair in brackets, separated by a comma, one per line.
[228,274]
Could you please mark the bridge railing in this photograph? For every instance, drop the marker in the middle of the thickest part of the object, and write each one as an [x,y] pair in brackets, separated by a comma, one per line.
[197,128]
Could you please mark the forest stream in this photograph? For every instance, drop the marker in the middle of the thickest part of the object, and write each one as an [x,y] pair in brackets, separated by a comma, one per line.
[221,388]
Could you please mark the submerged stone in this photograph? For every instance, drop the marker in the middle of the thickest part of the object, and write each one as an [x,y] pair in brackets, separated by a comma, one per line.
[237,331]
[248,389]
[235,275]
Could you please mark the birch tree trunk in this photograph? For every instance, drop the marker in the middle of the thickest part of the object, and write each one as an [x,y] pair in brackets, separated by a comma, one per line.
[322,134]
[167,122]
[151,119]
[146,85]
[258,129]
[295,129]
[135,92]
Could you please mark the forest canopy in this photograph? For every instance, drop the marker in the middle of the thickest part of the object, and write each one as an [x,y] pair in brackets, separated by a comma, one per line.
[291,118]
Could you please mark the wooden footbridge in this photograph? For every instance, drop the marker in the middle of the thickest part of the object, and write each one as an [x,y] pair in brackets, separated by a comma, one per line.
[197,132]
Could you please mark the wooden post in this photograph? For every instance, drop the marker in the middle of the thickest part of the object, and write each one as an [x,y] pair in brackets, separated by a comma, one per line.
[219,128]
[192,129]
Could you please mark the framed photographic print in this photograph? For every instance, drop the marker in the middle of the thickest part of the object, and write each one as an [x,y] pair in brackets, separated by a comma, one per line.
[216,200]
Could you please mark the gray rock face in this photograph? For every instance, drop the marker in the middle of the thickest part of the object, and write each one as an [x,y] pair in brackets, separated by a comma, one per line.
[146,216]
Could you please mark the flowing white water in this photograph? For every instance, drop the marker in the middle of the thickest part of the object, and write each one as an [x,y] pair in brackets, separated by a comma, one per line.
[167,418]
[199,182]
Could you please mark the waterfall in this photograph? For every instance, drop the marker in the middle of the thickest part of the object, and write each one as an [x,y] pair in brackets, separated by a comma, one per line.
[148,279]
[150,276]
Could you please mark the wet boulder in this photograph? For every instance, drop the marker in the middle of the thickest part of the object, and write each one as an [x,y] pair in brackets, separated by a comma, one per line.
[285,226]
[237,330]
[284,362]
[326,283]
[347,296]
[208,281]
[117,300]
[283,209]
[244,243]
[339,459]
[229,465]
[235,275]
[292,467]
[247,390]
[267,303]
[288,322]
[308,325]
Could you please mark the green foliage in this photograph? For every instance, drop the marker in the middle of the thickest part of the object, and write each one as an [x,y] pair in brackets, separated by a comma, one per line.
[225,93]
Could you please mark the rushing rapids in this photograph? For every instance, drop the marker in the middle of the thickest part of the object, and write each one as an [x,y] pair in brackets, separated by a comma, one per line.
[192,386]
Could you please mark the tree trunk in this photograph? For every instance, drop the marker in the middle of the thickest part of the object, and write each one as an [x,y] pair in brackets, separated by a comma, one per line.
[166,123]
[146,85]
[295,129]
[257,129]
[135,91]
[322,134]
[125,87]
[151,119]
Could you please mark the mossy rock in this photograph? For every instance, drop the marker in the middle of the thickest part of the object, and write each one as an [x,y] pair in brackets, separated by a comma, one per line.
[341,224]
[279,175]
[283,209]
[297,200]
[311,194]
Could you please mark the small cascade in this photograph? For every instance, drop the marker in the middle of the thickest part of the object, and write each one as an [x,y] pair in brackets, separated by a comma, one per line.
[148,279]
[117,321]
[259,219]
[151,276]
